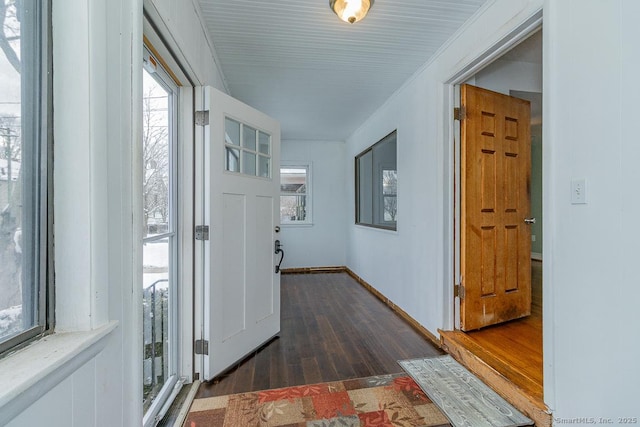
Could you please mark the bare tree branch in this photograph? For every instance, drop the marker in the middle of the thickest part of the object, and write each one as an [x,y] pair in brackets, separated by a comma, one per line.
[11,55]
[155,142]
[389,193]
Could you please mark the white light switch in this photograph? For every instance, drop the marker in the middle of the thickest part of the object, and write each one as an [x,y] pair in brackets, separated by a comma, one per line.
[578,191]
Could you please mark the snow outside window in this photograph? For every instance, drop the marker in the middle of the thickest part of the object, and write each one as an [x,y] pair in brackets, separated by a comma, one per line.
[25,108]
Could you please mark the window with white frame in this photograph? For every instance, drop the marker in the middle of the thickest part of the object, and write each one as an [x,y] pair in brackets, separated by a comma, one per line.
[25,147]
[295,193]
[377,184]
[160,239]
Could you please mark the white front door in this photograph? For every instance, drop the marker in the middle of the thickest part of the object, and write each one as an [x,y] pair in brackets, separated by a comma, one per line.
[237,169]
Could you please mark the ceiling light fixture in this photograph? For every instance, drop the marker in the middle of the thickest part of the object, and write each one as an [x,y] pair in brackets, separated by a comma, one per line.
[351,11]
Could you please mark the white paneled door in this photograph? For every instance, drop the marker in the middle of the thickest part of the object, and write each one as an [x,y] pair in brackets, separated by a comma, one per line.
[237,171]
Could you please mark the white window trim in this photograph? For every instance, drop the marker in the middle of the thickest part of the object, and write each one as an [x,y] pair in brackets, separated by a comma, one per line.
[153,27]
[32,372]
[166,81]
[377,190]
[83,324]
[308,221]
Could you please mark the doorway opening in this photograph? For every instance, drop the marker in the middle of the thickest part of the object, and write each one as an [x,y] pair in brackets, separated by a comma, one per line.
[508,355]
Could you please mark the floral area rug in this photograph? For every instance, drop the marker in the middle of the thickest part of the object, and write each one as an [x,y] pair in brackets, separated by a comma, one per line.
[381,401]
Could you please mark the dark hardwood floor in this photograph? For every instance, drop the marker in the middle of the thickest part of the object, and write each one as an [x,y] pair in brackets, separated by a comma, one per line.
[332,329]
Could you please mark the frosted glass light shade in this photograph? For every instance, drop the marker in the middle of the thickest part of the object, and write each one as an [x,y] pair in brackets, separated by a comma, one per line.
[351,11]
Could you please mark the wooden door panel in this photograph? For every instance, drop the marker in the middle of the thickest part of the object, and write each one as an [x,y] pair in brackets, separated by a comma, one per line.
[511,181]
[488,124]
[488,261]
[489,181]
[495,241]
[511,246]
[511,128]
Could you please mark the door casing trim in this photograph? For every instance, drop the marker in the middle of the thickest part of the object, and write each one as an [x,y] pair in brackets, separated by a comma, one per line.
[451,157]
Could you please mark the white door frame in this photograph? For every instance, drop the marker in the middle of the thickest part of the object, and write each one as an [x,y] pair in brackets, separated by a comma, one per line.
[451,162]
[451,158]
[156,35]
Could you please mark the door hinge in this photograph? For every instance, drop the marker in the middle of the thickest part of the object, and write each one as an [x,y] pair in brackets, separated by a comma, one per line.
[202,232]
[202,118]
[458,291]
[202,347]
[459,113]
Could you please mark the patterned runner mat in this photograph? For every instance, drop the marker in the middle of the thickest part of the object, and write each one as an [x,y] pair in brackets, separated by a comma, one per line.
[386,400]
[464,399]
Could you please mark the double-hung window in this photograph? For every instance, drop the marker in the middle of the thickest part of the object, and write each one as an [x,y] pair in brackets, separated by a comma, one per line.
[25,153]
[160,241]
[295,193]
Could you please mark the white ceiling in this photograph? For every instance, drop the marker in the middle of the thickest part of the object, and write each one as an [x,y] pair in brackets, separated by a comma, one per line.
[319,76]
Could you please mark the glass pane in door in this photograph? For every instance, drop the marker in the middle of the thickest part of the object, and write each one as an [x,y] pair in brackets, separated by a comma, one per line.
[232,159]
[249,138]
[263,166]
[231,132]
[248,163]
[265,143]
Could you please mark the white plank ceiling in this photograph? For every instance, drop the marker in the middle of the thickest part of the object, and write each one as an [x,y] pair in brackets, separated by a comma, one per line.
[319,76]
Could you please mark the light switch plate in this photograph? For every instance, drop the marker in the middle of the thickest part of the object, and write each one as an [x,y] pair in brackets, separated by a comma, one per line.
[578,191]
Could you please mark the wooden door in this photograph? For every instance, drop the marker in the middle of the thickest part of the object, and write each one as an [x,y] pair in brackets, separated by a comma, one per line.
[495,253]
[239,173]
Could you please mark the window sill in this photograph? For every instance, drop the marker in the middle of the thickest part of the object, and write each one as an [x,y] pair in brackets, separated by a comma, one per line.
[375,228]
[30,373]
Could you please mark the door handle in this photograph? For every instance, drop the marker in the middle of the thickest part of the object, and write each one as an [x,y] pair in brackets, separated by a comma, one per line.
[529,220]
[279,250]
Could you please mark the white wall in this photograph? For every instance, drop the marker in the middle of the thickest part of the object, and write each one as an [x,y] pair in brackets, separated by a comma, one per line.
[322,244]
[592,321]
[97,92]
[502,76]
[590,283]
[93,95]
[71,401]
[408,265]
[181,25]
